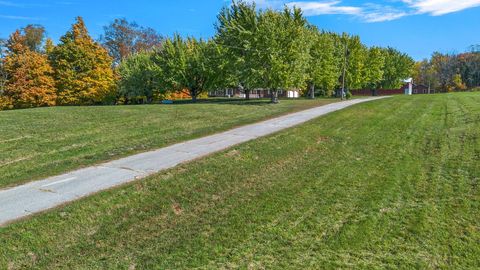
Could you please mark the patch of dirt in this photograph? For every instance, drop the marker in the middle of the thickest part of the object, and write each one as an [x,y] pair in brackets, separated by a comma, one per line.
[322,139]
[33,257]
[177,209]
[233,153]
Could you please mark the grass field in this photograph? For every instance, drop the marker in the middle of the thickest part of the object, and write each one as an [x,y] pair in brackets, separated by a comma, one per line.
[388,184]
[43,142]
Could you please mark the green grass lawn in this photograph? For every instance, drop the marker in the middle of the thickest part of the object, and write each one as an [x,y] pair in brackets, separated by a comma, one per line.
[47,141]
[388,184]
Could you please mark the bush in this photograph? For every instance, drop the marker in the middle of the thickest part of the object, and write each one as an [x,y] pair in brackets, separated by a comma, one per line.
[349,95]
[5,103]
[475,89]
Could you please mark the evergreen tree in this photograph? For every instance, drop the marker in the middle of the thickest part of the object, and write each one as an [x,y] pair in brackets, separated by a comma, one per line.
[82,68]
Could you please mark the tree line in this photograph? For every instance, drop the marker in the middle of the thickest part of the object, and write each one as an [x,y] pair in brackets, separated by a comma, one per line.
[251,49]
[450,72]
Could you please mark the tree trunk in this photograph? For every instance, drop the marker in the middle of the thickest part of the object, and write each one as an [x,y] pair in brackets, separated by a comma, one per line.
[274,96]
[247,94]
[312,90]
[193,94]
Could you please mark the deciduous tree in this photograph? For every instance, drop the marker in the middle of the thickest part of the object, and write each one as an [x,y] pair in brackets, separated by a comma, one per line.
[356,60]
[237,28]
[457,83]
[188,65]
[29,82]
[398,67]
[123,38]
[282,50]
[83,70]
[424,73]
[323,71]
[374,68]
[3,72]
[34,37]
[138,78]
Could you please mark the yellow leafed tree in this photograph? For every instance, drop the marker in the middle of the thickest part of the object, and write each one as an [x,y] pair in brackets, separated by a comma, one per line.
[30,82]
[83,71]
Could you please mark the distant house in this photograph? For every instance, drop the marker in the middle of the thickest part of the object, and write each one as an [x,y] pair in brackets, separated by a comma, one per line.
[404,90]
[257,93]
[418,89]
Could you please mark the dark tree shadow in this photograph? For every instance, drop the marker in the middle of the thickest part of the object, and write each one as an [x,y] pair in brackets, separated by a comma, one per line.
[226,101]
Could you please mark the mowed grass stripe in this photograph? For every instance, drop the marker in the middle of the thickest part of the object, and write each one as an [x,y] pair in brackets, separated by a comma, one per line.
[387,184]
[43,142]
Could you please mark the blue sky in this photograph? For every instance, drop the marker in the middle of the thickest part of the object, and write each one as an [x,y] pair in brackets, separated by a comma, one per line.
[417,27]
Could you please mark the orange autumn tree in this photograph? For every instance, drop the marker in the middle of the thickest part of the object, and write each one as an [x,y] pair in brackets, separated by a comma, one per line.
[29,75]
[82,67]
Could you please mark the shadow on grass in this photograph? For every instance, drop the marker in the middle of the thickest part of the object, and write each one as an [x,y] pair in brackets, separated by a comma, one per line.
[236,101]
[226,101]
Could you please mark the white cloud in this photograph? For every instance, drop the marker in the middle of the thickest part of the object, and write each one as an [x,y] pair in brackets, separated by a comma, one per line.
[13,17]
[315,8]
[10,4]
[372,13]
[379,13]
[382,17]
[441,7]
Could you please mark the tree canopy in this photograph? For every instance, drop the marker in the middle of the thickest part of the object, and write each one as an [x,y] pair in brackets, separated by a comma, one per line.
[82,67]
[139,81]
[123,38]
[29,81]
[267,49]
[188,65]
[450,72]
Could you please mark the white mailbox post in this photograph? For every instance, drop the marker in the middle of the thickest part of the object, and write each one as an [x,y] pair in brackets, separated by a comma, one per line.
[409,89]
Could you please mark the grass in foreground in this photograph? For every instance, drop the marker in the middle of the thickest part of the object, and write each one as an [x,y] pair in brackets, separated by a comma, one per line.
[43,142]
[387,184]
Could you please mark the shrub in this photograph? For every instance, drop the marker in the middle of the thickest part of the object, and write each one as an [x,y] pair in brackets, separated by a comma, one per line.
[5,103]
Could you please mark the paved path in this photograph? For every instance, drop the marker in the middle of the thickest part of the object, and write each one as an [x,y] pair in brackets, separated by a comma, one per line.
[34,197]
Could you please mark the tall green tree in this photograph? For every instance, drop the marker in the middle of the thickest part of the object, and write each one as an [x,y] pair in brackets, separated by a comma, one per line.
[188,65]
[356,60]
[323,71]
[237,31]
[282,50]
[398,67]
[82,67]
[138,81]
[374,68]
